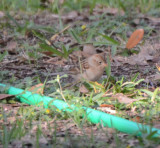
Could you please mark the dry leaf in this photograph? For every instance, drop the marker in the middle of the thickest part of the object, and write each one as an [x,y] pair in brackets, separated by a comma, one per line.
[107,105]
[71,15]
[5,96]
[88,50]
[136,119]
[83,89]
[48,42]
[156,77]
[111,11]
[114,11]
[136,21]
[124,99]
[155,21]
[48,53]
[135,38]
[67,17]
[67,126]
[141,58]
[147,53]
[38,89]
[11,46]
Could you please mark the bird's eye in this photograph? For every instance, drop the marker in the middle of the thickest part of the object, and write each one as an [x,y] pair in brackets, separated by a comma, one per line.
[100,62]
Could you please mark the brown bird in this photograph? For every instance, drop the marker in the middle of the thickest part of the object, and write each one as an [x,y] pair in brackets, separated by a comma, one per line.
[90,69]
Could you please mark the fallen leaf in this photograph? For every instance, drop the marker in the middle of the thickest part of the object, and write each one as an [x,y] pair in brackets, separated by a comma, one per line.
[39,88]
[48,53]
[88,50]
[110,11]
[71,15]
[124,99]
[67,17]
[148,52]
[5,96]
[156,77]
[107,105]
[141,58]
[83,89]
[136,119]
[67,126]
[151,20]
[135,38]
[11,46]
[48,42]
[136,21]
[114,11]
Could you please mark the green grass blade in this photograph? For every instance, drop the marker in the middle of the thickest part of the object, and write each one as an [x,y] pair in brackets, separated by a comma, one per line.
[90,35]
[2,56]
[75,36]
[13,20]
[64,49]
[109,39]
[154,94]
[51,49]
[151,94]
[108,69]
[39,35]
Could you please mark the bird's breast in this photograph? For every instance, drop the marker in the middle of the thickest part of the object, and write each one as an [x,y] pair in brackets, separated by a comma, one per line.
[94,74]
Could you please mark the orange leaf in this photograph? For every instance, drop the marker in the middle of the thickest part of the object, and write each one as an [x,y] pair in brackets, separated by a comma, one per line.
[48,53]
[135,38]
[37,88]
[106,105]
[136,119]
[158,67]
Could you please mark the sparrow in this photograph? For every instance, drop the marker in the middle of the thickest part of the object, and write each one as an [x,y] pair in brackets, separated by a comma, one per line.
[91,69]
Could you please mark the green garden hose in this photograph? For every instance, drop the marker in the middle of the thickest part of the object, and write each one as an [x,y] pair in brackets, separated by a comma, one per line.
[93,116]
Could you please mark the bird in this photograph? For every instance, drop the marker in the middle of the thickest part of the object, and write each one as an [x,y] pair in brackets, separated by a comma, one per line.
[90,69]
